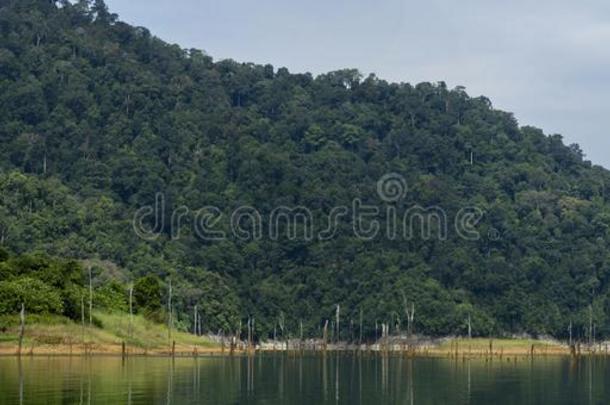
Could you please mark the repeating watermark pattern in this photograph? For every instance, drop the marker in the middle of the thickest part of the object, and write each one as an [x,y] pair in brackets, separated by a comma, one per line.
[364,221]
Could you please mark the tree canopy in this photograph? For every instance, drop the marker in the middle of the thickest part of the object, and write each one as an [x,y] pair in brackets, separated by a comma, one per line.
[99,116]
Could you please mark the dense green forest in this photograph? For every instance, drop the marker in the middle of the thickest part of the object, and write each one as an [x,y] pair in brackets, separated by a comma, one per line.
[97,117]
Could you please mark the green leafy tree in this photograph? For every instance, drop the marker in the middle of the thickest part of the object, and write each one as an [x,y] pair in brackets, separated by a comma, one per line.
[147,296]
[37,297]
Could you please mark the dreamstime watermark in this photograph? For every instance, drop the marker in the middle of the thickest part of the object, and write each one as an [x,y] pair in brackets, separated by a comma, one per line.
[364,221]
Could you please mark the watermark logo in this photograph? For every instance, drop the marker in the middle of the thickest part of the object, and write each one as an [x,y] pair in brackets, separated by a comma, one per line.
[368,221]
[392,187]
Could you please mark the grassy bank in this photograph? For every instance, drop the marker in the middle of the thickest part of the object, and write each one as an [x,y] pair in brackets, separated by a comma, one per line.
[59,335]
[498,347]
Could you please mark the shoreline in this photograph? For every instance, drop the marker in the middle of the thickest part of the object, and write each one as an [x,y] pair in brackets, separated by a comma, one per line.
[500,348]
[108,350]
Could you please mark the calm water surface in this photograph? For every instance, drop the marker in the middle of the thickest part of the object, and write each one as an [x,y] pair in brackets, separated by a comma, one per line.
[278,379]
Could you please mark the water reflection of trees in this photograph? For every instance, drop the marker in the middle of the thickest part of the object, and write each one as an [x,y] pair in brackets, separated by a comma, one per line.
[286,377]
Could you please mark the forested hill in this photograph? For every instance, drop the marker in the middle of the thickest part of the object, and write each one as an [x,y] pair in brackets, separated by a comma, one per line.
[97,117]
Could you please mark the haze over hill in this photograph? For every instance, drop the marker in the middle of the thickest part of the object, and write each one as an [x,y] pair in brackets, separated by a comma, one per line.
[101,120]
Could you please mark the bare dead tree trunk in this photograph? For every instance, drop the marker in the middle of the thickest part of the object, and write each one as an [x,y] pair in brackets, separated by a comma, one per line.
[281,324]
[325,334]
[169,312]
[238,333]
[301,333]
[385,328]
[376,329]
[131,310]
[337,314]
[82,314]
[90,298]
[410,314]
[249,332]
[360,337]
[590,325]
[411,319]
[195,321]
[469,328]
[21,327]
[199,323]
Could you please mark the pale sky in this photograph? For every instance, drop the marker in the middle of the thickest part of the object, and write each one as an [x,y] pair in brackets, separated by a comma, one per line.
[546,61]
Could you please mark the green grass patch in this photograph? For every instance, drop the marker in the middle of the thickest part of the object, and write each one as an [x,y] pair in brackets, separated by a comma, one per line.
[108,329]
[504,343]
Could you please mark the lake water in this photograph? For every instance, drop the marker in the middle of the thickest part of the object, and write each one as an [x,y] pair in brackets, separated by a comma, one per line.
[310,379]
